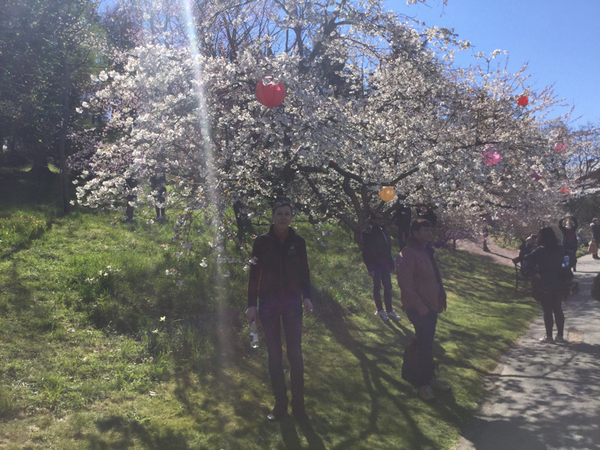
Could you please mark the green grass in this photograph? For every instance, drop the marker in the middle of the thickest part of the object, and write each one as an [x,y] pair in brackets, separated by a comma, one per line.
[101,347]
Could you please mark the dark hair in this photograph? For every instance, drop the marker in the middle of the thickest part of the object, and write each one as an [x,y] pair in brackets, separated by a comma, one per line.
[374,214]
[547,238]
[417,224]
[281,201]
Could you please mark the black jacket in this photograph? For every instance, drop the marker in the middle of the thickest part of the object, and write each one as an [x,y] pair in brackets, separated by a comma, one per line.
[280,272]
[377,250]
[549,265]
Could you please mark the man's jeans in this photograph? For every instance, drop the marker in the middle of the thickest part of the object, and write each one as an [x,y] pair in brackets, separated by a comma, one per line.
[382,276]
[272,315]
[424,334]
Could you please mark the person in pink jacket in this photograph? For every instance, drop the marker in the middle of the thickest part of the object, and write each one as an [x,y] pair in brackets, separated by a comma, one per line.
[423,298]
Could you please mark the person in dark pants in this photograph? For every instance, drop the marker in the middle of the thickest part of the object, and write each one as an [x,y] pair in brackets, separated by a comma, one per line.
[569,232]
[377,256]
[595,236]
[548,257]
[280,279]
[402,218]
[159,187]
[423,298]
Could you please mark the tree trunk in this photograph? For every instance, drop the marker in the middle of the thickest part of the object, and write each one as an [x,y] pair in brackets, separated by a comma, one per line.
[64,178]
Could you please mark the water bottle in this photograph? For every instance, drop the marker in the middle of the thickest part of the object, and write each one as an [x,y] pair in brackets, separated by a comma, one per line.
[253,335]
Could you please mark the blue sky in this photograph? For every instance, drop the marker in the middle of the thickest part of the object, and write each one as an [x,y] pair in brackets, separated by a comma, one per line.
[560,39]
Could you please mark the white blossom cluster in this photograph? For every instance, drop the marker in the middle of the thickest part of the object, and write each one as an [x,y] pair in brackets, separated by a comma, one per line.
[371,102]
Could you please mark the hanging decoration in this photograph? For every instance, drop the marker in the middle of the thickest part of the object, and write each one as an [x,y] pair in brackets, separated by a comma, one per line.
[270,93]
[491,158]
[387,193]
[560,147]
[565,190]
[523,100]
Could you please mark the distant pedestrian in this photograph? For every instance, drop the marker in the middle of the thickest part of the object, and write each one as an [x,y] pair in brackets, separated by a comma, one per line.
[402,218]
[569,232]
[377,256]
[423,298]
[158,183]
[595,226]
[548,257]
[280,280]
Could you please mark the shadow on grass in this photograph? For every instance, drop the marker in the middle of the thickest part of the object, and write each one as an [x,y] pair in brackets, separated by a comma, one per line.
[124,433]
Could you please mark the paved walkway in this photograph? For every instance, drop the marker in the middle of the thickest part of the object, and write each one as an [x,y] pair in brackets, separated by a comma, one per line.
[546,396]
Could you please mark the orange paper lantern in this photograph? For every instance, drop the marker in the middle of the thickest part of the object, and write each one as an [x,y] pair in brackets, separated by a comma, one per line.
[387,193]
[269,93]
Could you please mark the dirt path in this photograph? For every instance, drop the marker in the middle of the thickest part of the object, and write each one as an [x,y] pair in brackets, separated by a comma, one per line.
[497,254]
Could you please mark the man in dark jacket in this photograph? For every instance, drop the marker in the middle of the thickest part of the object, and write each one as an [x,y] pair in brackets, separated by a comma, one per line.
[377,255]
[280,278]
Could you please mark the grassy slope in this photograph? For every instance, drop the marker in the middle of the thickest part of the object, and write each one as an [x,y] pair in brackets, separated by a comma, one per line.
[75,367]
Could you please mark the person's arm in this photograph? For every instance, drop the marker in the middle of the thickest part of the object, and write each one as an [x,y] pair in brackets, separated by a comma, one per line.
[561,227]
[405,268]
[575,224]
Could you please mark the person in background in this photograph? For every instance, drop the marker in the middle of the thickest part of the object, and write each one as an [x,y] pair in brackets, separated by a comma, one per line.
[569,232]
[548,257]
[158,183]
[280,279]
[402,218]
[595,236]
[377,256]
[582,240]
[423,298]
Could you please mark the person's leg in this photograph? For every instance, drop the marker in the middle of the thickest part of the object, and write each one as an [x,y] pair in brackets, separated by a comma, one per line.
[548,306]
[386,280]
[292,326]
[377,289]
[271,323]
[559,316]
[424,334]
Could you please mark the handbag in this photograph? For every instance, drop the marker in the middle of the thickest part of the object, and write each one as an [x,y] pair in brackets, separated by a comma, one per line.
[593,248]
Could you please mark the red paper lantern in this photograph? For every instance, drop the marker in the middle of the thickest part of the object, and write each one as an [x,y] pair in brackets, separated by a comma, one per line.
[387,193]
[523,100]
[269,93]
[565,191]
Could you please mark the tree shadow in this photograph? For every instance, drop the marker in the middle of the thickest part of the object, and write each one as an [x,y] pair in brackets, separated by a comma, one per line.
[124,433]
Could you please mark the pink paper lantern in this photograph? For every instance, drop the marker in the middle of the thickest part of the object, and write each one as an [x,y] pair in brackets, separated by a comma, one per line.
[560,146]
[491,158]
[269,93]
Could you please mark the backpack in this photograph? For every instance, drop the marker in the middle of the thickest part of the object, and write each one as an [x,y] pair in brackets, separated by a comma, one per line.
[596,287]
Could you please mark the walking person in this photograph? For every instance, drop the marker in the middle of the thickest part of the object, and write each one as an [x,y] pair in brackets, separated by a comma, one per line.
[548,257]
[423,298]
[569,232]
[595,237]
[377,256]
[280,279]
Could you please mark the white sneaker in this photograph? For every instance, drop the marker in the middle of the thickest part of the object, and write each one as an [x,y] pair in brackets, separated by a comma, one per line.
[381,313]
[392,315]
